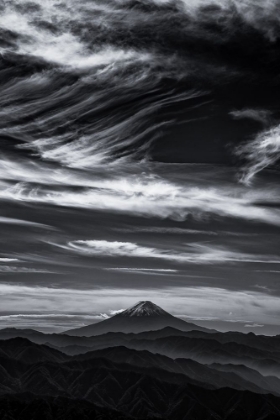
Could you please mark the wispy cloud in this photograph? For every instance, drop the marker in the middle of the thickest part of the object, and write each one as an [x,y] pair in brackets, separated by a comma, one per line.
[182,231]
[267,289]
[253,325]
[140,194]
[191,253]
[160,270]
[260,153]
[267,271]
[209,318]
[260,115]
[164,230]
[44,316]
[48,323]
[118,311]
[11,221]
[145,271]
[13,269]
[18,268]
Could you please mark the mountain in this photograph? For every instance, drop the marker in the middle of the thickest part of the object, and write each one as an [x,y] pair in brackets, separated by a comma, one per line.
[216,376]
[144,316]
[208,351]
[144,308]
[25,407]
[119,383]
[75,344]
[258,353]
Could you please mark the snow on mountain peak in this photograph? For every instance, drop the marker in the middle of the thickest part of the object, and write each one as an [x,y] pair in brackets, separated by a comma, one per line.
[144,308]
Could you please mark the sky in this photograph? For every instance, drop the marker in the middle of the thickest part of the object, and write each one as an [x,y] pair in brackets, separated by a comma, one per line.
[139,150]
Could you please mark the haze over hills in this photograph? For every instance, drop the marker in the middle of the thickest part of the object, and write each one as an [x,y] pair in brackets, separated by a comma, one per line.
[118,382]
[141,363]
[144,316]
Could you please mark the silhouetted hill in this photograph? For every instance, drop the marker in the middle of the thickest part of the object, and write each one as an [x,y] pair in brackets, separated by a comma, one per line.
[224,376]
[26,406]
[137,383]
[208,351]
[25,350]
[270,344]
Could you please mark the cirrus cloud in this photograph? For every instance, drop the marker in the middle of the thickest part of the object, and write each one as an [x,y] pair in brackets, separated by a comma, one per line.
[140,194]
[191,253]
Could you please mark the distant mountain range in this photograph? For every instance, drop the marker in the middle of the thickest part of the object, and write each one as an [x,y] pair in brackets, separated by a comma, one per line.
[167,374]
[144,316]
[118,382]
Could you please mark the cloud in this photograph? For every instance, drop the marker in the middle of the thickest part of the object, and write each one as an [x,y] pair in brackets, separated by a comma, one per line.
[192,253]
[45,316]
[144,271]
[13,269]
[259,14]
[181,231]
[267,289]
[268,271]
[196,318]
[65,49]
[111,249]
[116,312]
[10,221]
[18,269]
[104,316]
[48,323]
[260,153]
[140,194]
[259,115]
[209,318]
[164,230]
[253,325]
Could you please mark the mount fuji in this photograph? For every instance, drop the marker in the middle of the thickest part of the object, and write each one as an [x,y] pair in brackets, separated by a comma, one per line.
[144,316]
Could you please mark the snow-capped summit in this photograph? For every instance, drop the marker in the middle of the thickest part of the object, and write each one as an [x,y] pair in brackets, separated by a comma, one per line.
[144,308]
[144,316]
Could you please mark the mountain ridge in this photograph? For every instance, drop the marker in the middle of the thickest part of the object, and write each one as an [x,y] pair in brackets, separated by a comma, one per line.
[152,392]
[136,379]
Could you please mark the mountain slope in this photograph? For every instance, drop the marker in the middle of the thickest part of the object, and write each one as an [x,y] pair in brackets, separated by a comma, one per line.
[128,390]
[26,406]
[16,362]
[208,351]
[136,383]
[144,316]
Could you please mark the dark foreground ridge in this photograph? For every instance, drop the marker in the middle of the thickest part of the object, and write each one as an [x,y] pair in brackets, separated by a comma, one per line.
[25,407]
[118,383]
